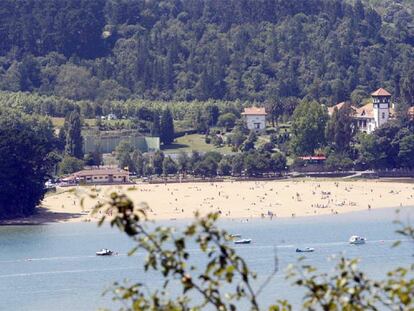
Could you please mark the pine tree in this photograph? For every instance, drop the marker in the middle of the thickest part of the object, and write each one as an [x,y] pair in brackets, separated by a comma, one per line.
[212,113]
[138,160]
[74,136]
[62,139]
[156,128]
[341,129]
[167,127]
[157,161]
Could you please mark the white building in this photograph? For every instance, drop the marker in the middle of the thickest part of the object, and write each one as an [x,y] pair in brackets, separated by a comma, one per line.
[110,116]
[105,175]
[372,115]
[255,118]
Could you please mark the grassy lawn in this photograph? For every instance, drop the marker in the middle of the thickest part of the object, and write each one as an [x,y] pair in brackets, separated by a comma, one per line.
[58,122]
[192,142]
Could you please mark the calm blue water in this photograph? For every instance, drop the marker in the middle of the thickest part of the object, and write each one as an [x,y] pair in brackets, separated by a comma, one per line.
[54,266]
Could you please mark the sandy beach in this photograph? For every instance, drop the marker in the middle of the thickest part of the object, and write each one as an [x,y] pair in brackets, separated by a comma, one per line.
[249,199]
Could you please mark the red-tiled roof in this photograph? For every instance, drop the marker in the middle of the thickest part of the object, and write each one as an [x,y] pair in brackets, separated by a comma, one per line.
[100,172]
[366,111]
[338,106]
[256,111]
[381,92]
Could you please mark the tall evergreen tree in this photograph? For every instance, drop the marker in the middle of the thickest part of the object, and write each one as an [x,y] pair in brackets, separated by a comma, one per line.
[74,141]
[212,114]
[167,127]
[138,160]
[155,127]
[61,142]
[341,128]
[157,160]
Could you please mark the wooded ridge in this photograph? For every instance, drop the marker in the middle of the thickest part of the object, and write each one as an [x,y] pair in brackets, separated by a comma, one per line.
[326,50]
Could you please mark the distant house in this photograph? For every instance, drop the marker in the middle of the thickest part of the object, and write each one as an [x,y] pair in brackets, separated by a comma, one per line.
[314,163]
[372,115]
[105,175]
[110,116]
[255,118]
[318,159]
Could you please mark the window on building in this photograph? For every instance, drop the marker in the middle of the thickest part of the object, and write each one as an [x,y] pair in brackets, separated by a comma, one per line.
[257,125]
[383,115]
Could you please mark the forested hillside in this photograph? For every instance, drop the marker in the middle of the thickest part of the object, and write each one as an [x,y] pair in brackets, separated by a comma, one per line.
[328,50]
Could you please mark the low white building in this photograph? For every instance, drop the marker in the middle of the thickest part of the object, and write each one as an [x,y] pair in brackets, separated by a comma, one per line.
[105,175]
[255,118]
[372,115]
[110,116]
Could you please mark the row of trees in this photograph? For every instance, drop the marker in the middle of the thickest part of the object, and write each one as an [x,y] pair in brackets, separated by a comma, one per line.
[191,115]
[267,50]
[210,164]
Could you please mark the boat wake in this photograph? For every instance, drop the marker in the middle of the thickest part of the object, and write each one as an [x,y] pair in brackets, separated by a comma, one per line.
[65,272]
[52,258]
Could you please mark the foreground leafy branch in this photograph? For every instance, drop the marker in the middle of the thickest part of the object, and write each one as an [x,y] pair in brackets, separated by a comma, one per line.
[225,281]
[167,253]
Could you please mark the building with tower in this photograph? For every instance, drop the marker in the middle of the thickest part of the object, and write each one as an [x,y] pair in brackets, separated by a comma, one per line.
[381,101]
[372,115]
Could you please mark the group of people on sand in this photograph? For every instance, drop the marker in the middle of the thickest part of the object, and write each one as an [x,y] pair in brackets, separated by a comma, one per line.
[238,200]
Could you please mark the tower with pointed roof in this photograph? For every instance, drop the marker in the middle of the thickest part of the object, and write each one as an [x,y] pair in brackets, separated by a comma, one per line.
[381,100]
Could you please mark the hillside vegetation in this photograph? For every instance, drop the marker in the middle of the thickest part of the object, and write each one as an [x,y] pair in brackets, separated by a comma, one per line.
[103,50]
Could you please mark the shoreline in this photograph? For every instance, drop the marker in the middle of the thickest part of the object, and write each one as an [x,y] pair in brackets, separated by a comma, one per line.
[232,199]
[42,219]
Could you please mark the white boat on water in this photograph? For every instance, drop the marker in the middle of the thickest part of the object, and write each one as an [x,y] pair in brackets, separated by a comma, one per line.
[305,250]
[357,240]
[104,252]
[243,241]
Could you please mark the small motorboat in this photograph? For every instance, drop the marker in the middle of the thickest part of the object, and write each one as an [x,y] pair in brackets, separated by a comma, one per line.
[243,241]
[104,252]
[357,240]
[305,250]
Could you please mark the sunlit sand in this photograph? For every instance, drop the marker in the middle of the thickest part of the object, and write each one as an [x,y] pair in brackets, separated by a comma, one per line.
[250,199]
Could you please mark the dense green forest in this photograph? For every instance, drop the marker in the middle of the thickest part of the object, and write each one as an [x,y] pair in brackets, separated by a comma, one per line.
[103,50]
[27,145]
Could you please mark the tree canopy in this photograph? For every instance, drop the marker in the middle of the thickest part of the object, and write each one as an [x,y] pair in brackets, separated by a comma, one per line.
[74,140]
[308,128]
[264,50]
[167,127]
[27,161]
